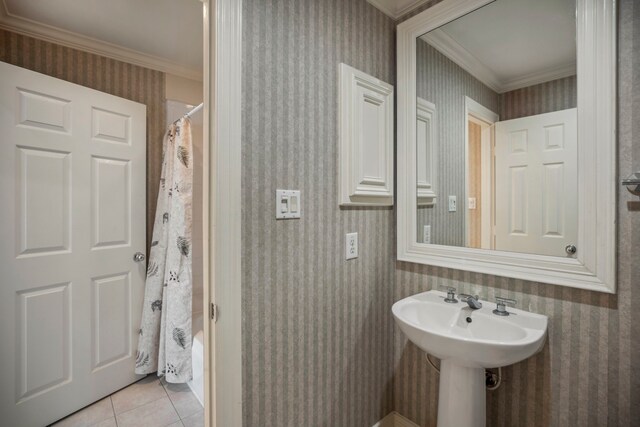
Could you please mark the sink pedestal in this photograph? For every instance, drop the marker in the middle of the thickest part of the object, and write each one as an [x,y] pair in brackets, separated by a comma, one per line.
[462,398]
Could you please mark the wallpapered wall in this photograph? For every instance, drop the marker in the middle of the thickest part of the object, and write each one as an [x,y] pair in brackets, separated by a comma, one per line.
[106,75]
[585,376]
[441,81]
[317,330]
[546,97]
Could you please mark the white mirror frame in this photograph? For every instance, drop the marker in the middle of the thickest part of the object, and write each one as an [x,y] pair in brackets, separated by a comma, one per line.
[594,267]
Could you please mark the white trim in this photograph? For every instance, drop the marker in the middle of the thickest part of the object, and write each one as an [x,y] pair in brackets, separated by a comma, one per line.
[49,33]
[427,191]
[550,74]
[396,12]
[479,111]
[449,47]
[225,213]
[357,89]
[484,117]
[595,266]
[487,185]
[394,419]
[209,342]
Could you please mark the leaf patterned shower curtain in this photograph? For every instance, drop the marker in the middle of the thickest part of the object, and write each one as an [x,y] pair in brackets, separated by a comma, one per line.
[164,344]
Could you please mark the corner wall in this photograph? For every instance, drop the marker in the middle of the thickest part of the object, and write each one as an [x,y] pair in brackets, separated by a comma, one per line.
[445,84]
[317,330]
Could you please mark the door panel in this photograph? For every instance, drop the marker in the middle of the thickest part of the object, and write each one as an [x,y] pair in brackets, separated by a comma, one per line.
[72,160]
[43,189]
[44,334]
[536,183]
[111,312]
[111,193]
[110,126]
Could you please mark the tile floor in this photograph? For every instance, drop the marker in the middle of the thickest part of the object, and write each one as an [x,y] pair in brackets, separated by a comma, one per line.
[150,402]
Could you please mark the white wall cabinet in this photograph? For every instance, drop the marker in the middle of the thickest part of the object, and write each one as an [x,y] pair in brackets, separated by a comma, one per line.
[426,147]
[366,139]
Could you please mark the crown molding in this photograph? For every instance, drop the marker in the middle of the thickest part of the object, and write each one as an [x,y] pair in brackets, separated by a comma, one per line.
[449,47]
[394,12]
[547,75]
[73,40]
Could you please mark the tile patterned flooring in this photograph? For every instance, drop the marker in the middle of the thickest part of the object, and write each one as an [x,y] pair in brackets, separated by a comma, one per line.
[150,402]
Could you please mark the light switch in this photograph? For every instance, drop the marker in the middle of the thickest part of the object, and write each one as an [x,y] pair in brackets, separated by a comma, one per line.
[352,245]
[452,204]
[288,205]
[472,202]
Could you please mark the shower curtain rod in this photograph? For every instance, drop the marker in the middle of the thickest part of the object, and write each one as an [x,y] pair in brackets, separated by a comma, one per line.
[195,110]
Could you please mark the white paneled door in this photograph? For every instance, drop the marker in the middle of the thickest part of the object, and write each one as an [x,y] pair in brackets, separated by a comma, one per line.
[72,165]
[536,183]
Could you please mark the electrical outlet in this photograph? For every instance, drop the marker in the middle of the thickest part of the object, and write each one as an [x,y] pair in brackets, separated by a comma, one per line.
[452,204]
[426,234]
[352,245]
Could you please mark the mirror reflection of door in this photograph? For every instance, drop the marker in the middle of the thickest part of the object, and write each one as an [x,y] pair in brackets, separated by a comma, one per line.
[502,72]
[480,183]
[536,183]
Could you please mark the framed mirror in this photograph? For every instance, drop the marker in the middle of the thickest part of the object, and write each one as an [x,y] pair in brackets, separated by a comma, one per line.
[506,139]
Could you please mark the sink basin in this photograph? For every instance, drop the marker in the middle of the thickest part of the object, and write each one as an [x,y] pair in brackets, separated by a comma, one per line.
[489,341]
[467,341]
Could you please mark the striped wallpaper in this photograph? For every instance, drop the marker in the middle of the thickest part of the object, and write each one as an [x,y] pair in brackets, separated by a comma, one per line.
[317,330]
[106,75]
[546,97]
[319,345]
[444,83]
[586,374]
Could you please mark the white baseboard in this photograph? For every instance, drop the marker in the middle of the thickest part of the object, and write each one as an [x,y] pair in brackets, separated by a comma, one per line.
[394,419]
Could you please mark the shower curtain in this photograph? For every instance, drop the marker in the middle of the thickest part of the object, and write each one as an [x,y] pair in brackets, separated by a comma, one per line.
[164,344]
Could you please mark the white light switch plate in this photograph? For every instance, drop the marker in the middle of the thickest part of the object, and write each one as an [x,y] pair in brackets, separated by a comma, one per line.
[452,204]
[351,245]
[288,204]
[472,202]
[426,234]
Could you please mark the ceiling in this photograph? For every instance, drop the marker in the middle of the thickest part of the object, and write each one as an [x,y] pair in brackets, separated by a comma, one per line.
[162,34]
[512,43]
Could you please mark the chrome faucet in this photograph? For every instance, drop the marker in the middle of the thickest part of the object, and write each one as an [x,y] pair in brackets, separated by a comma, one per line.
[472,301]
[451,295]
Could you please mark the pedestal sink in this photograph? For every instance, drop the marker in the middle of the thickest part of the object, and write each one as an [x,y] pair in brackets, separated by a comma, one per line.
[467,341]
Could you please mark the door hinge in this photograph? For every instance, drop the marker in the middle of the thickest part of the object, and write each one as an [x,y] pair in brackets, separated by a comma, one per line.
[214,312]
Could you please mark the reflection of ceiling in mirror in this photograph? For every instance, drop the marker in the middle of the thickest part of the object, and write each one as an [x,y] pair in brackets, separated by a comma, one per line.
[510,44]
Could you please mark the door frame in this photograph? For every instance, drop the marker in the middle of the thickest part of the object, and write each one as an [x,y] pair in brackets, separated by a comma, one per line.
[478,113]
[222,32]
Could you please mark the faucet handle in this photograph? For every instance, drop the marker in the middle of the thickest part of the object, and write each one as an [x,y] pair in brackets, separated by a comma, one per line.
[501,308]
[451,294]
